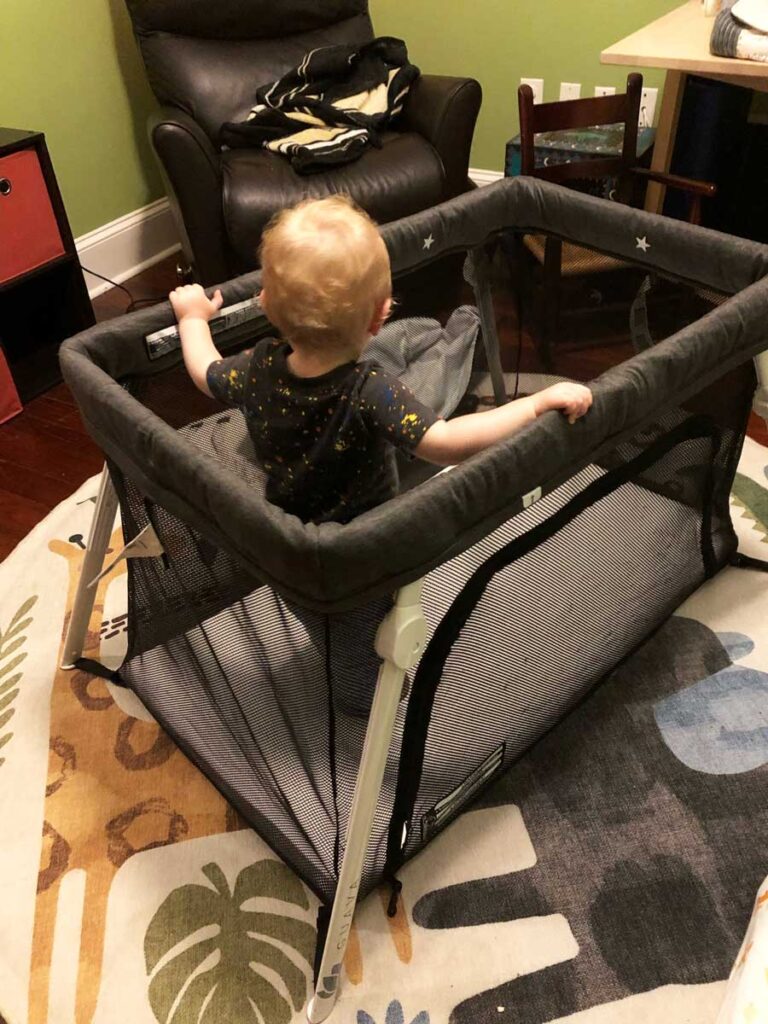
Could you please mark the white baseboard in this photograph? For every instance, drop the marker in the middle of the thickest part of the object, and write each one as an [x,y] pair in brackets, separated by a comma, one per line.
[482,177]
[128,245]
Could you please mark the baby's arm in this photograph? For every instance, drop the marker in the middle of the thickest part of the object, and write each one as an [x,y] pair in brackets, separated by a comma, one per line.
[451,441]
[193,310]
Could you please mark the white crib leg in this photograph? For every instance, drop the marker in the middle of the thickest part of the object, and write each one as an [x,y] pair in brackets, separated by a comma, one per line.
[760,404]
[98,540]
[398,642]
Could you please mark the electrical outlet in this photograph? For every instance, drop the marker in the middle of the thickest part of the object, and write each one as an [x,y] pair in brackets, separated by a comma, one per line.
[537,84]
[570,90]
[648,107]
[605,90]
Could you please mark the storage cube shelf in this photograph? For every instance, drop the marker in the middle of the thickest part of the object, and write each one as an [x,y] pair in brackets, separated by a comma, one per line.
[43,298]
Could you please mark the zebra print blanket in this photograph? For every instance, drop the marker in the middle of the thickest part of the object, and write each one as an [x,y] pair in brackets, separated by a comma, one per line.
[331,107]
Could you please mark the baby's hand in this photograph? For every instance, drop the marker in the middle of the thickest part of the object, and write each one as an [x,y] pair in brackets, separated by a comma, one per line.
[189,302]
[572,400]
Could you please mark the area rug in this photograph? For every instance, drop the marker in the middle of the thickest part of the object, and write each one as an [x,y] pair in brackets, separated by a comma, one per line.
[608,878]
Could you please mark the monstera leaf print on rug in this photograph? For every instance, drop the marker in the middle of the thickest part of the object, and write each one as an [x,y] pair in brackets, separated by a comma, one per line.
[752,498]
[206,945]
[12,654]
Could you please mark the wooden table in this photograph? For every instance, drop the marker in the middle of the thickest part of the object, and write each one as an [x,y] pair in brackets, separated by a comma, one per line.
[679,42]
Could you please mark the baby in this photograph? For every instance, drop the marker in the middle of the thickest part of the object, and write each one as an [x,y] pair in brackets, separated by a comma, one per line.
[325,421]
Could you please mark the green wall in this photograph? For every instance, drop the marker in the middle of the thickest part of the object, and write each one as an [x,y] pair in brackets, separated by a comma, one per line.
[72,70]
[499,41]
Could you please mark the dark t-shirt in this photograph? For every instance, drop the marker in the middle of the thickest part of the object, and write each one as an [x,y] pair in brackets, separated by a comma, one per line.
[325,443]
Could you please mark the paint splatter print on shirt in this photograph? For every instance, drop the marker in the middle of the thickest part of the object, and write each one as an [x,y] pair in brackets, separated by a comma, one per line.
[326,443]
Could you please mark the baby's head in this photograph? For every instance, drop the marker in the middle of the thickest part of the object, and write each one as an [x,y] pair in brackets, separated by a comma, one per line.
[325,275]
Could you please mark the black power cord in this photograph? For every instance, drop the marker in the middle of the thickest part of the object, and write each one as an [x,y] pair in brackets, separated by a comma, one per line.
[134,303]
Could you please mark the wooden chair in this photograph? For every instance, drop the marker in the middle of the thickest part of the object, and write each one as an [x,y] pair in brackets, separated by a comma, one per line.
[559,259]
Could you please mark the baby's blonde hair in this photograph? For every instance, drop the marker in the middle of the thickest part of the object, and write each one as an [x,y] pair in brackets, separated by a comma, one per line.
[325,272]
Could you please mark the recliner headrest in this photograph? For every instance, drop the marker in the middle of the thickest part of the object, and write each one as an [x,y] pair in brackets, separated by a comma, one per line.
[240,19]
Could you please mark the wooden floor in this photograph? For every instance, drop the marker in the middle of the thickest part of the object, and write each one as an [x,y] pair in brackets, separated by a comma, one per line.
[45,453]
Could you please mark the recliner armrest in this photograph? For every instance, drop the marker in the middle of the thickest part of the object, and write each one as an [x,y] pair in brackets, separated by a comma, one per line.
[444,110]
[192,172]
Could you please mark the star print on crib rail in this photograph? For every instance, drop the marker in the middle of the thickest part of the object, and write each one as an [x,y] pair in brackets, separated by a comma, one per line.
[643,243]
[429,241]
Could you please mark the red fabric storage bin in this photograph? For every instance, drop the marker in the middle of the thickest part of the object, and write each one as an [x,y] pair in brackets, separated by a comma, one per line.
[28,229]
[10,403]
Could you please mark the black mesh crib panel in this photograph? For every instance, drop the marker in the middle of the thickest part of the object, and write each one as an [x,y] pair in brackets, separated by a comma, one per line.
[190,582]
[523,624]
[272,701]
[541,620]
[227,689]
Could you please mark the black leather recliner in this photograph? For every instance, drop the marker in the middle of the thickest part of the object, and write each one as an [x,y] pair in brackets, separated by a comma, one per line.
[206,58]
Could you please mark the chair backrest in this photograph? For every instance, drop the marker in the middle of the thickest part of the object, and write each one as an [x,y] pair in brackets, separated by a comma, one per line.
[208,57]
[585,113]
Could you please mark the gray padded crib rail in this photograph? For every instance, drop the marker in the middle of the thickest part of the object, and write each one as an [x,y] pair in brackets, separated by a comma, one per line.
[334,568]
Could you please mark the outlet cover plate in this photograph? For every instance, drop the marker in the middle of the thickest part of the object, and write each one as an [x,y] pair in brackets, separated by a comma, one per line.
[537,84]
[648,107]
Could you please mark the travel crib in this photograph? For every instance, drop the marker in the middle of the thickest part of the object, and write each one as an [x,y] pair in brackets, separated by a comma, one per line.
[487,599]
